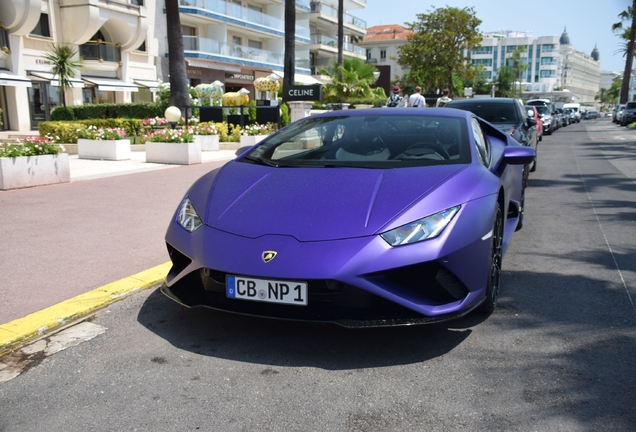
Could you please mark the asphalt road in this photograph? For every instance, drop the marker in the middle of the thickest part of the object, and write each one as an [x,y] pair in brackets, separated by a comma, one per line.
[558,354]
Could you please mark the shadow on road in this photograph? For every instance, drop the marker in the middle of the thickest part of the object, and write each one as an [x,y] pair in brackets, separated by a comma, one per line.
[287,343]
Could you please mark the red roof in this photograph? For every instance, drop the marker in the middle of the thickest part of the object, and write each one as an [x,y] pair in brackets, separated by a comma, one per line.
[386,32]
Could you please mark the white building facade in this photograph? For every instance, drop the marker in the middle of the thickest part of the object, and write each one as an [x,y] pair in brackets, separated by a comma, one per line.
[114,40]
[124,51]
[551,63]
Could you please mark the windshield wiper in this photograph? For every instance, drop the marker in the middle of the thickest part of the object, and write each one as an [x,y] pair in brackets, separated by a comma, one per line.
[261,161]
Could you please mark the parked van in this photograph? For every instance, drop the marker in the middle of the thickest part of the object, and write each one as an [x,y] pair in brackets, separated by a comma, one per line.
[576,108]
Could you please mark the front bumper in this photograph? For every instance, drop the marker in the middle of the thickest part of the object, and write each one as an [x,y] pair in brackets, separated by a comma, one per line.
[356,282]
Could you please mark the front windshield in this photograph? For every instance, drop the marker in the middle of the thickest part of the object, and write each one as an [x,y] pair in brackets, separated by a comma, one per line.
[371,141]
[543,110]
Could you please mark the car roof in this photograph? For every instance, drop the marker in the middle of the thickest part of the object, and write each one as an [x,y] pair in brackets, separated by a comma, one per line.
[440,112]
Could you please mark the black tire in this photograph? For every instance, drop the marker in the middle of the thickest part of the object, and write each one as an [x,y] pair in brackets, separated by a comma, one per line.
[494,272]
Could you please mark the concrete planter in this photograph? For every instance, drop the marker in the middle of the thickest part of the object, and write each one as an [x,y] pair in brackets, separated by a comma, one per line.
[207,142]
[250,140]
[28,171]
[173,153]
[103,149]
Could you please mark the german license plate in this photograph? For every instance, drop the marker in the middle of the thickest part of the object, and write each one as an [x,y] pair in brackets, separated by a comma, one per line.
[266,290]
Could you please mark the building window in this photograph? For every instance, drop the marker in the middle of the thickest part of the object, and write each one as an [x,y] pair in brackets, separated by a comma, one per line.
[137,2]
[254,44]
[368,54]
[383,55]
[42,28]
[482,50]
[142,47]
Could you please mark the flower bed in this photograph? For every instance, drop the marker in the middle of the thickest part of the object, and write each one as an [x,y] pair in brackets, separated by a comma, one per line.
[173,146]
[208,136]
[36,162]
[103,144]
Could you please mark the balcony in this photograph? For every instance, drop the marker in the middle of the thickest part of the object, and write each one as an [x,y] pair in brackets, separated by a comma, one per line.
[197,47]
[331,12]
[100,51]
[332,43]
[234,14]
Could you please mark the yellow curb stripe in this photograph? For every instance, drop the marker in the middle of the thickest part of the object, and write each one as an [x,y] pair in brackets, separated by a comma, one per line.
[45,320]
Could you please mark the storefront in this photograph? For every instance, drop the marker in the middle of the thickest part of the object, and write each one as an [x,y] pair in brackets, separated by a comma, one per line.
[44,95]
[105,90]
[9,82]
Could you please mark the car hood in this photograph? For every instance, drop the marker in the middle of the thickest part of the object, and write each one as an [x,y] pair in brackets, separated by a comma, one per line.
[316,204]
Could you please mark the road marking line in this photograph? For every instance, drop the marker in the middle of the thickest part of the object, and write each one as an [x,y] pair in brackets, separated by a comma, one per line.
[33,325]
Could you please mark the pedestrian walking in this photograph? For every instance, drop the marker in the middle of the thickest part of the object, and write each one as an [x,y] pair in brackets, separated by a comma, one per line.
[396,100]
[444,99]
[416,100]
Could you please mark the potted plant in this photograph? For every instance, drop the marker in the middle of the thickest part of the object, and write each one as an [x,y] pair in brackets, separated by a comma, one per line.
[35,162]
[252,134]
[207,135]
[173,146]
[103,143]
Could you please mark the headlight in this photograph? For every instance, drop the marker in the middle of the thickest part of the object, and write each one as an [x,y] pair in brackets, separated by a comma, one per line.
[188,217]
[421,229]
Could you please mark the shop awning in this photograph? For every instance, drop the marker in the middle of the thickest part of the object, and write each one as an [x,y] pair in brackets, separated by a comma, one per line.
[12,80]
[75,83]
[153,86]
[111,84]
[300,78]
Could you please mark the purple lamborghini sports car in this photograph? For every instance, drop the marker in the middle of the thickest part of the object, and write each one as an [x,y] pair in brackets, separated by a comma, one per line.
[371,217]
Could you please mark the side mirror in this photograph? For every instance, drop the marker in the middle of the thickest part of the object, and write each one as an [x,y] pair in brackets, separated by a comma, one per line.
[519,155]
[531,121]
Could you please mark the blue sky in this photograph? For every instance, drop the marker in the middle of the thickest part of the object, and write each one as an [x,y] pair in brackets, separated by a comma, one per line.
[588,22]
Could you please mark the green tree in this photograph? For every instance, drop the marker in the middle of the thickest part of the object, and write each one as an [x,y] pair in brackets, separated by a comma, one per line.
[518,66]
[505,82]
[613,92]
[357,77]
[628,34]
[65,65]
[179,95]
[438,45]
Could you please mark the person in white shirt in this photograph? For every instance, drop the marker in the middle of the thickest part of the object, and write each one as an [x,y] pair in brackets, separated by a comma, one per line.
[416,100]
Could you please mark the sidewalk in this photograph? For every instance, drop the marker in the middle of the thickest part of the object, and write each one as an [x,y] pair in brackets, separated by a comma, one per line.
[68,242]
[86,169]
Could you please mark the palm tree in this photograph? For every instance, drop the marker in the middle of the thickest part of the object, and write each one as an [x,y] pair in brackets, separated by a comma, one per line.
[341,36]
[290,43]
[65,66]
[628,34]
[179,95]
[352,79]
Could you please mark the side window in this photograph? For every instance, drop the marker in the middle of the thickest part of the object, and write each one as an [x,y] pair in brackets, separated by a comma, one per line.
[481,143]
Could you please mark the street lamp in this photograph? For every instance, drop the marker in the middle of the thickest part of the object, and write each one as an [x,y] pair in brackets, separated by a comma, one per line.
[173,115]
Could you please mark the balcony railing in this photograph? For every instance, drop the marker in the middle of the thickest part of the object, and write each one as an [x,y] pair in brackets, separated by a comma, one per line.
[211,46]
[242,13]
[100,50]
[333,12]
[347,46]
